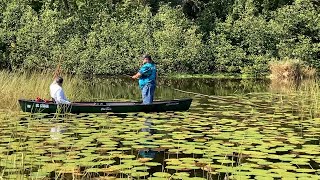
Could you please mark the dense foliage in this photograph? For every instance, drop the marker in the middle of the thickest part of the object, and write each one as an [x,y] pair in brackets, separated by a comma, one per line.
[189,36]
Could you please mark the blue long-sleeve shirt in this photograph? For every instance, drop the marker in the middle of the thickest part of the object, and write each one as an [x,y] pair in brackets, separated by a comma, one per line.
[148,73]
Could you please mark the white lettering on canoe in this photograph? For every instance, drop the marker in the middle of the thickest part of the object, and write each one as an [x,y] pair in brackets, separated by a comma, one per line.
[44,106]
[106,109]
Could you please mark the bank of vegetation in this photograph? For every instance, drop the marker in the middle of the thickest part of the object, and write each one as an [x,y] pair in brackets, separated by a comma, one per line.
[189,36]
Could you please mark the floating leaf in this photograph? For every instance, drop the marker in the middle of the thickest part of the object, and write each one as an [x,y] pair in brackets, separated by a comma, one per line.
[161,174]
[141,168]
[152,164]
[139,174]
[305,170]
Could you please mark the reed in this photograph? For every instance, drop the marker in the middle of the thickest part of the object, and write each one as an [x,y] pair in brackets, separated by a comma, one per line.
[309,93]
[303,94]
[291,69]
[22,85]
[14,86]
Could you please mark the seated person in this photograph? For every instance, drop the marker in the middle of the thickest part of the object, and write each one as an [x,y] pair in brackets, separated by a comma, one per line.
[56,92]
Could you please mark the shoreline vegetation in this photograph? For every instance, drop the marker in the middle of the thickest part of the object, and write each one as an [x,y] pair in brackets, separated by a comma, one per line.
[183,37]
[287,69]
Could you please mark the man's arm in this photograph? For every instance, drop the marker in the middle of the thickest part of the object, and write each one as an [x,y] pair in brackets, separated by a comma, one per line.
[145,69]
[61,97]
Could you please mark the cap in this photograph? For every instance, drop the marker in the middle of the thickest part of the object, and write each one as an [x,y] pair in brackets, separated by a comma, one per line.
[146,56]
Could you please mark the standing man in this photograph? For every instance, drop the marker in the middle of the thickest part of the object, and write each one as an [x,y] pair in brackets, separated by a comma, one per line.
[56,91]
[147,79]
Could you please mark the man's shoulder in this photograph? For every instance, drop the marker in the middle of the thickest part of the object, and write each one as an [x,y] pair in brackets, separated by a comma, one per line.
[144,66]
[55,86]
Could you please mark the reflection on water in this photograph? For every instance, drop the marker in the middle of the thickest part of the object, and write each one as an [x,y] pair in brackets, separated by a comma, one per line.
[55,132]
[147,153]
[125,88]
[148,124]
[293,86]
[219,86]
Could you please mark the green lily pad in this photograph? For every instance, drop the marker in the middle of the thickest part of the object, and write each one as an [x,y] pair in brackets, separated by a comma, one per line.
[305,170]
[93,170]
[180,175]
[141,168]
[161,174]
[139,174]
[152,164]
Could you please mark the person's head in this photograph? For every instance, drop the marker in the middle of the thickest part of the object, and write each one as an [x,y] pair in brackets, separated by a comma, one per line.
[58,80]
[146,58]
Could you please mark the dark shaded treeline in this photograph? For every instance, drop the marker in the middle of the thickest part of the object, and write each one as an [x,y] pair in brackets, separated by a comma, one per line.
[184,36]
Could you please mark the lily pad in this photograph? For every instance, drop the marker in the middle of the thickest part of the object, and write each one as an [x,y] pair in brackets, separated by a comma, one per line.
[161,174]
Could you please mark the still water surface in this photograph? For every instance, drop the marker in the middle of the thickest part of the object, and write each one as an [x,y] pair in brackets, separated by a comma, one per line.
[244,129]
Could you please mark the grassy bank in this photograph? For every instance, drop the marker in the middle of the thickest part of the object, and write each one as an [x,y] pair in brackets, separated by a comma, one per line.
[26,85]
[14,86]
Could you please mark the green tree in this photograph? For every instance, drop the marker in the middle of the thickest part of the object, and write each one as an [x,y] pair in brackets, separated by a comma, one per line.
[300,31]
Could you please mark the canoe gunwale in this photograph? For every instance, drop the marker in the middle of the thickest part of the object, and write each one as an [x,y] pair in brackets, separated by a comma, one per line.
[110,103]
[103,107]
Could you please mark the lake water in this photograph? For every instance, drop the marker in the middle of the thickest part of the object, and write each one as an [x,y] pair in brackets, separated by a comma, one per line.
[235,129]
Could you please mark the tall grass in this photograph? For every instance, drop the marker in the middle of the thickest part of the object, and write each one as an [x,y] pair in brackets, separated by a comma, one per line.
[303,95]
[309,93]
[291,69]
[14,86]
[22,85]
[25,85]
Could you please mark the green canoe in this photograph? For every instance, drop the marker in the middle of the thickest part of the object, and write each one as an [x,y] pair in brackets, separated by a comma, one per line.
[104,107]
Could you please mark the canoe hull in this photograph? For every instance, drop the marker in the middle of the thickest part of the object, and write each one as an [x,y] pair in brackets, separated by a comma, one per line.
[104,107]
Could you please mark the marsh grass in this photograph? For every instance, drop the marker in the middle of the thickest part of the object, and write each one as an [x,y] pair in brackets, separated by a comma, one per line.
[291,69]
[309,95]
[14,86]
[304,95]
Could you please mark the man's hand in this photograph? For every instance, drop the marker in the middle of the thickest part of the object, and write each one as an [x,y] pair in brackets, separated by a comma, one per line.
[136,76]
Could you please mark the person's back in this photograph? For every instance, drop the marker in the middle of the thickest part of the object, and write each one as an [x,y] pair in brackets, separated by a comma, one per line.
[57,93]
